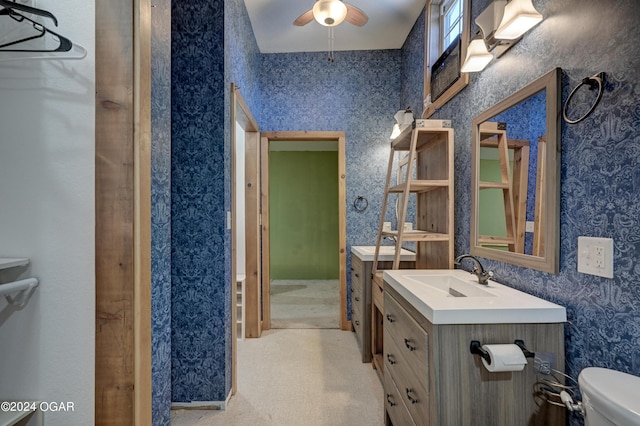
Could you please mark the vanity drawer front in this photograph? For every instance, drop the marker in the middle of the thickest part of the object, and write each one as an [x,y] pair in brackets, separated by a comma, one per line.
[404,336]
[377,292]
[357,270]
[358,325]
[411,388]
[394,405]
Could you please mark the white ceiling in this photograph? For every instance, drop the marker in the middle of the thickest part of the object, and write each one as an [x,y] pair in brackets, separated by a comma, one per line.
[389,24]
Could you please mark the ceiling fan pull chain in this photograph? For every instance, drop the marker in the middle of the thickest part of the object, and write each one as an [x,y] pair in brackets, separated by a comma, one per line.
[330,56]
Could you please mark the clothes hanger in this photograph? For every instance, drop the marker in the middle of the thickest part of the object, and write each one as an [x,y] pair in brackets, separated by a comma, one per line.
[64,44]
[35,11]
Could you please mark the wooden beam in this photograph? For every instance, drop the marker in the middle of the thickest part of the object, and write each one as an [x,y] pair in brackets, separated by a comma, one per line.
[123,298]
[142,213]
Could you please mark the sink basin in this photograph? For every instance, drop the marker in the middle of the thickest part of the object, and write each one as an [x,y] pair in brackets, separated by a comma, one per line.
[451,286]
[454,296]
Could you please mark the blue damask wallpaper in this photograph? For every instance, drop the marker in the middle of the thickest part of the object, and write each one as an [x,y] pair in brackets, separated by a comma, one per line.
[412,72]
[359,94]
[212,45]
[161,211]
[600,170]
[198,220]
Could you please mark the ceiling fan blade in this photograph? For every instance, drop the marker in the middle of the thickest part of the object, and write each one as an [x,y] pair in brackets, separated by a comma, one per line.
[304,19]
[355,16]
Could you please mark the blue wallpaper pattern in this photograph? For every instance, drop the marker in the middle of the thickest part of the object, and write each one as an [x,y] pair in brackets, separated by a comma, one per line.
[199,308]
[600,194]
[358,93]
[161,211]
[412,92]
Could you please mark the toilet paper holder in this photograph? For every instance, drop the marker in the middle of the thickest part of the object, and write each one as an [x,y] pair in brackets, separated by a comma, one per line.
[476,348]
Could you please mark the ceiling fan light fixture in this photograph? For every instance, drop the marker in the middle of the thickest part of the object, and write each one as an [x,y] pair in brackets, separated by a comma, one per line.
[329,12]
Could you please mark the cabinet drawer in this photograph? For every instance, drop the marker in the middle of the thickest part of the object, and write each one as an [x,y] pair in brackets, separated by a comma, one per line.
[394,405]
[411,386]
[357,270]
[403,336]
[377,292]
[358,324]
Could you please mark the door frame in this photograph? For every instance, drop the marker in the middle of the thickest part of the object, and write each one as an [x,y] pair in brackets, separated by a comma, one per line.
[266,139]
[241,114]
[123,379]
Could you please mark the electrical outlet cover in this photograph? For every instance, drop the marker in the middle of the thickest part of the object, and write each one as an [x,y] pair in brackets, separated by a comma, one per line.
[595,256]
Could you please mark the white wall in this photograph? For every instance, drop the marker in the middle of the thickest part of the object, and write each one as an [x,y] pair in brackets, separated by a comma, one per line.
[47,214]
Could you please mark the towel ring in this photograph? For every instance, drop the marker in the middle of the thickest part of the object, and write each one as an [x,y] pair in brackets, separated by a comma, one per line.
[360,203]
[593,82]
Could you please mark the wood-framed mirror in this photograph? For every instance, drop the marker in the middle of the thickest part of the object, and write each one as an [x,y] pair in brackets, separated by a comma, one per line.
[447,27]
[515,177]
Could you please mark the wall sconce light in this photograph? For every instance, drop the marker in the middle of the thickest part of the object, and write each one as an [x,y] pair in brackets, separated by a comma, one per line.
[478,57]
[502,25]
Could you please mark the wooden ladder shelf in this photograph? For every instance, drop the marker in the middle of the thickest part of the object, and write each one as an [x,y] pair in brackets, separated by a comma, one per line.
[427,172]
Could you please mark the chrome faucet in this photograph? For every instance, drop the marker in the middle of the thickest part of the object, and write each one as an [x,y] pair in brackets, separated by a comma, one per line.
[478,269]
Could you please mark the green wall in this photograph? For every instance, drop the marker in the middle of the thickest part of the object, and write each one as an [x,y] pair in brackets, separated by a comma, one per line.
[303,203]
[492,219]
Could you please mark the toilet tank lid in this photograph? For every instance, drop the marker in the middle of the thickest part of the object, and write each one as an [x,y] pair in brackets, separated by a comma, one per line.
[613,393]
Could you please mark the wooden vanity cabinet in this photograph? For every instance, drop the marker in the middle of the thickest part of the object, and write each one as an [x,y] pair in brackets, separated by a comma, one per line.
[431,378]
[363,297]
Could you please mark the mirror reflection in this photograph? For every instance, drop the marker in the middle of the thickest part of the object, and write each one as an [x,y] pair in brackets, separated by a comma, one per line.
[512,147]
[515,177]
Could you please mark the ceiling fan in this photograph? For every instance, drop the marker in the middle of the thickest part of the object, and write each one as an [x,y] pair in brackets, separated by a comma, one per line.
[331,13]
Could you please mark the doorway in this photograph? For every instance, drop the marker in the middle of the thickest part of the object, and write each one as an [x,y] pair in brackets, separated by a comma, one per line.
[245,227]
[303,260]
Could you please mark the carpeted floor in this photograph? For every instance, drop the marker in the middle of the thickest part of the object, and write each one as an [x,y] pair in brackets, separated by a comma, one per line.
[305,304]
[298,377]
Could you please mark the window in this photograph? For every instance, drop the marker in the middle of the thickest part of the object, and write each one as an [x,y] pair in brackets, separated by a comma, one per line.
[451,23]
[446,20]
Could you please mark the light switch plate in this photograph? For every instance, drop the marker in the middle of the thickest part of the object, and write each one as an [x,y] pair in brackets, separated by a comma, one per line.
[595,256]
[529,226]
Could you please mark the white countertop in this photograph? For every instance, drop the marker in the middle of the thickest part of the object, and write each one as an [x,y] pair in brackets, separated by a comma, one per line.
[365,253]
[487,304]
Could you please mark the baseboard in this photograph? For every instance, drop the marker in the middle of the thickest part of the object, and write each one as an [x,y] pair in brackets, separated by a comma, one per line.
[202,405]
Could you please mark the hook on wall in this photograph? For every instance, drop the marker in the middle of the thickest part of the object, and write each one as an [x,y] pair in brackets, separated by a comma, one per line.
[360,203]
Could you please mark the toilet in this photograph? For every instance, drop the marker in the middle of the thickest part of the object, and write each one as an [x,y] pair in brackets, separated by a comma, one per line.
[609,397]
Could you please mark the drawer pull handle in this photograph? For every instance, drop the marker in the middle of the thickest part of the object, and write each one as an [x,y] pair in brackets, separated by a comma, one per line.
[357,276]
[352,312]
[357,322]
[410,396]
[357,299]
[407,343]
[352,289]
[390,318]
[391,359]
[390,400]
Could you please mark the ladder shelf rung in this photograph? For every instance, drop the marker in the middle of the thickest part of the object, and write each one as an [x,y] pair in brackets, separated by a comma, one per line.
[425,136]
[494,185]
[418,235]
[418,186]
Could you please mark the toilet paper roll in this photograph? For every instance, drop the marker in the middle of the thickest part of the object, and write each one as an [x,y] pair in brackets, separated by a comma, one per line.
[507,357]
